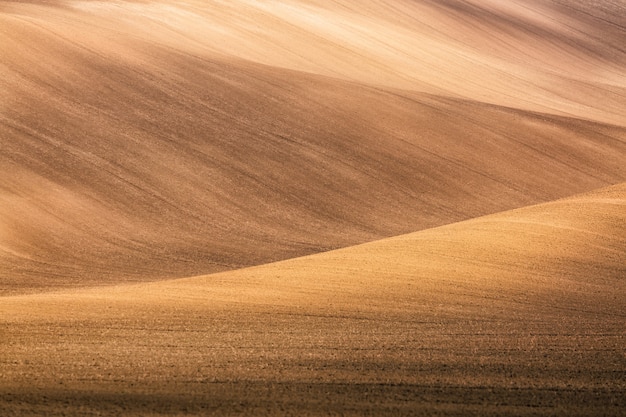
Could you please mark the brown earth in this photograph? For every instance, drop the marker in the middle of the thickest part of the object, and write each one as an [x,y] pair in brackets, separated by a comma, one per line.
[517,313]
[143,142]
[132,154]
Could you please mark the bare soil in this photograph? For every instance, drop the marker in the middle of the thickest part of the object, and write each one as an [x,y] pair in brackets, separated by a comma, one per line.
[188,189]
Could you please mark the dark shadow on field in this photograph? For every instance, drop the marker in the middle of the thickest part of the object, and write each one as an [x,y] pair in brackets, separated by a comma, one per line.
[311,399]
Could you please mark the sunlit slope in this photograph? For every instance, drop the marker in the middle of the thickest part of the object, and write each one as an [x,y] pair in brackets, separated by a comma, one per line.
[562,57]
[518,313]
[130,153]
[567,254]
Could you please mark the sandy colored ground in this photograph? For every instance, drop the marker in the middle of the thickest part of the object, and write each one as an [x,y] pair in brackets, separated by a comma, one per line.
[138,145]
[520,312]
[479,147]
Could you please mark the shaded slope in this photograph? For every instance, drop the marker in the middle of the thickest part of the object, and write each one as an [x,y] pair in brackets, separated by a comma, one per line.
[517,313]
[561,57]
[128,157]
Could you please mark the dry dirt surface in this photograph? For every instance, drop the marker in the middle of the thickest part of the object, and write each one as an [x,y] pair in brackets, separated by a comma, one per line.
[403,207]
[517,313]
[154,140]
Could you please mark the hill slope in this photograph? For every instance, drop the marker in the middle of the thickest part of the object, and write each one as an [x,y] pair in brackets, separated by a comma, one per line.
[145,141]
[138,144]
[520,313]
[556,56]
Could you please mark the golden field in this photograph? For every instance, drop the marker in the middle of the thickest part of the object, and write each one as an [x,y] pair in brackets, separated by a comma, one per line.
[309,207]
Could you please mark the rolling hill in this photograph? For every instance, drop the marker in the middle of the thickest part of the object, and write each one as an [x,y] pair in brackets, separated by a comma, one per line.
[134,148]
[307,207]
[520,313]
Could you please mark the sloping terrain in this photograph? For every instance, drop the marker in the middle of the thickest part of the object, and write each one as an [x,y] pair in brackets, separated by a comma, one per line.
[558,56]
[138,145]
[312,207]
[519,313]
